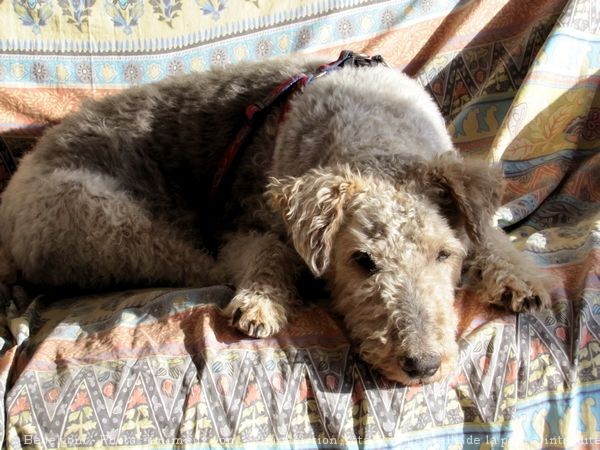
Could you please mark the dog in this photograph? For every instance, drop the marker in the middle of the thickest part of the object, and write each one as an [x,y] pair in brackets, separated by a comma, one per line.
[355,178]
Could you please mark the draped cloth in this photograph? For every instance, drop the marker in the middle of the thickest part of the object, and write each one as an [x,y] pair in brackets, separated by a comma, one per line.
[517,82]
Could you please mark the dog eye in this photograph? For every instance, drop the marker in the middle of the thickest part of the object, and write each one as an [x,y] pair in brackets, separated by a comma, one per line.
[443,255]
[365,261]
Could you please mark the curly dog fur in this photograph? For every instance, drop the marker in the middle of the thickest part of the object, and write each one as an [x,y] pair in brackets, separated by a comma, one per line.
[360,184]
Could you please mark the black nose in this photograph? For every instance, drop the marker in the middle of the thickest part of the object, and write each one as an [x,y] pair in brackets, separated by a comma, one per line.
[420,367]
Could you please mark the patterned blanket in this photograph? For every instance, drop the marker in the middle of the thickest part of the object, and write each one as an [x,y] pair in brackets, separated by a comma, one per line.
[160,368]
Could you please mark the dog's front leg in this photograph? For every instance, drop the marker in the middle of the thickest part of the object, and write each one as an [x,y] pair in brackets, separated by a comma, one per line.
[505,276]
[263,269]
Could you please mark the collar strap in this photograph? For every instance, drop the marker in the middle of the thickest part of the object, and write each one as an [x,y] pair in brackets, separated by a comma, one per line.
[297,82]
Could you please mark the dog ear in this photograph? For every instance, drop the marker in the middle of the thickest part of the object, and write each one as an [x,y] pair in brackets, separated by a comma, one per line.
[312,206]
[471,188]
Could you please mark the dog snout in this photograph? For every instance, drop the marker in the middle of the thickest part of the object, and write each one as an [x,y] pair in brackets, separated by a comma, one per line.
[422,366]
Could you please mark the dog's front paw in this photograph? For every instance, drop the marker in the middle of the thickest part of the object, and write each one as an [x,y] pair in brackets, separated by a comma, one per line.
[516,293]
[256,314]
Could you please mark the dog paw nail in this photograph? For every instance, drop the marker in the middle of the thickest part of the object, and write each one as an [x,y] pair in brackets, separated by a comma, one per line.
[236,315]
[534,302]
[259,330]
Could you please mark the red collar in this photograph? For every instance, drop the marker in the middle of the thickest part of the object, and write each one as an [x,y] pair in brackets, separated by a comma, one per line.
[283,90]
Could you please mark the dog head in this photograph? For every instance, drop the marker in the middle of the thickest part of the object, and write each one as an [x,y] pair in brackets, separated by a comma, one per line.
[391,248]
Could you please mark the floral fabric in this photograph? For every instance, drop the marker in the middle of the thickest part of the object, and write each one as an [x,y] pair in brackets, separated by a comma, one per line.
[517,81]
